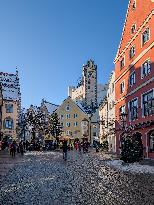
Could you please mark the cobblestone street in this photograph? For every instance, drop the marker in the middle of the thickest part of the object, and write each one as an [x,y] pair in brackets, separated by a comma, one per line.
[44,178]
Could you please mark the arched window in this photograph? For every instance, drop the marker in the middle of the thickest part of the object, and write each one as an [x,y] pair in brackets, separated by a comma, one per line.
[151,141]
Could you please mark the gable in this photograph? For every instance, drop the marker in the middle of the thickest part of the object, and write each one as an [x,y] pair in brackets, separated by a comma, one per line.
[136,16]
[72,104]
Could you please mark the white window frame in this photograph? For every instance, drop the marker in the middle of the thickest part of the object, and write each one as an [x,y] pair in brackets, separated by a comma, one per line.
[67,108]
[124,87]
[143,116]
[61,117]
[142,76]
[130,85]
[75,124]
[68,124]
[68,116]
[142,44]
[129,113]
[123,58]
[134,51]
[124,105]
[75,115]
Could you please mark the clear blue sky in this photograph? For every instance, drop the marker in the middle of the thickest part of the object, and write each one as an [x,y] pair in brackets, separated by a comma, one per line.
[49,40]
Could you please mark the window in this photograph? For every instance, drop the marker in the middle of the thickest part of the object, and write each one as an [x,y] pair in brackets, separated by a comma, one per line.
[148,103]
[112,103]
[110,106]
[122,87]
[145,36]
[75,124]
[112,87]
[8,124]
[9,108]
[75,115]
[68,132]
[132,79]
[134,5]
[94,134]
[62,124]
[145,68]
[132,106]
[122,109]
[68,116]
[67,108]
[68,124]
[61,117]
[122,63]
[133,28]
[151,141]
[88,87]
[132,52]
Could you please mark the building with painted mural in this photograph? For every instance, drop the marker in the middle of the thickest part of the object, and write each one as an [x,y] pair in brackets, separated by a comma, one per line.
[11,104]
[134,76]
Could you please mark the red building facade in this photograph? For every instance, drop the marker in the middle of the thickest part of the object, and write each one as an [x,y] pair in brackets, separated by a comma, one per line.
[134,76]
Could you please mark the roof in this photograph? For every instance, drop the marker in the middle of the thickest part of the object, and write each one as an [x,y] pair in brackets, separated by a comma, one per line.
[50,106]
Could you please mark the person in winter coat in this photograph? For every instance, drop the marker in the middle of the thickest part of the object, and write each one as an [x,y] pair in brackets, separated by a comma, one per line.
[13,148]
[65,150]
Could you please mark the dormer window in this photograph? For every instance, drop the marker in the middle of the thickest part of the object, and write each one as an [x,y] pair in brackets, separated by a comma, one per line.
[134,5]
[133,28]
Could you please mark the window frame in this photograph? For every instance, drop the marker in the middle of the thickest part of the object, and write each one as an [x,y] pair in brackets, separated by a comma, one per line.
[143,43]
[9,108]
[122,60]
[148,73]
[124,87]
[130,57]
[142,106]
[68,124]
[8,120]
[129,111]
[130,84]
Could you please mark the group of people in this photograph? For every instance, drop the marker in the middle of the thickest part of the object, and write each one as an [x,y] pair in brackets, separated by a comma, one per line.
[17,147]
[77,146]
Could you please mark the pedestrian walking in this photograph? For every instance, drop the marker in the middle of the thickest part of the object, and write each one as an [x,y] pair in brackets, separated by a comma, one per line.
[79,145]
[65,150]
[76,145]
[84,147]
[13,148]
[21,148]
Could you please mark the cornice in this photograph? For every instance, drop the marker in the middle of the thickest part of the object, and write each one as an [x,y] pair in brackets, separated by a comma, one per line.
[135,90]
[133,38]
[135,61]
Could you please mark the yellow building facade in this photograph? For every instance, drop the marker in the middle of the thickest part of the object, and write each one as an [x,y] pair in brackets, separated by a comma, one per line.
[9,119]
[73,119]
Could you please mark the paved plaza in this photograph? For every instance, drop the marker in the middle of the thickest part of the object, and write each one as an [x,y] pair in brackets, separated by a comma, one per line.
[44,178]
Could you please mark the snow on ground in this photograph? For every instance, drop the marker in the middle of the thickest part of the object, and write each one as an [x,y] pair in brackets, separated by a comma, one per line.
[133,167]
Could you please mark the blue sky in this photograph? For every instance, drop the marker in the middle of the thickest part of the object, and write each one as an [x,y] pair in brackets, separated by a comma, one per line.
[50,40]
